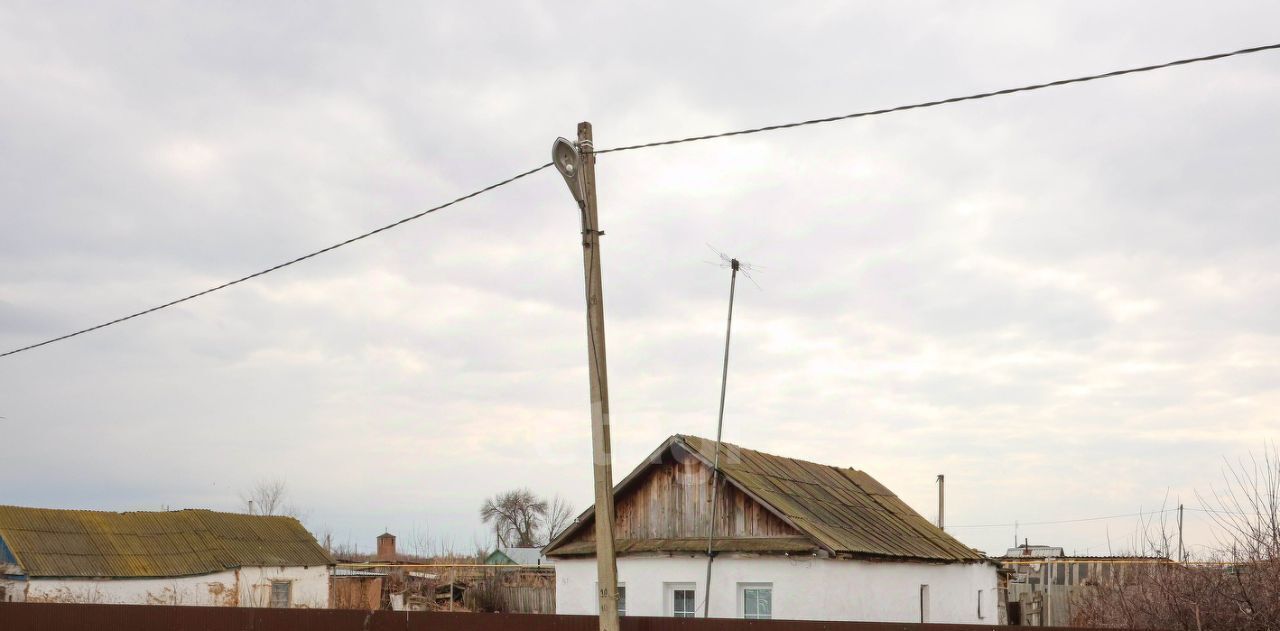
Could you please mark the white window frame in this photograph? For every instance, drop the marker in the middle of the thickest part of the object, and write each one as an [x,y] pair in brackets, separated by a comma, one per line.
[742,599]
[271,594]
[669,598]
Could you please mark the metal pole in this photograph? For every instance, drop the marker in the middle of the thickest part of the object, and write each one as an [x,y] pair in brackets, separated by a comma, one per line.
[715,467]
[602,458]
[1181,557]
[942,480]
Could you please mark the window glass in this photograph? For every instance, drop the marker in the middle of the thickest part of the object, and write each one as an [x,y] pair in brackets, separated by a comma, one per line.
[280,594]
[757,603]
[683,604]
[622,600]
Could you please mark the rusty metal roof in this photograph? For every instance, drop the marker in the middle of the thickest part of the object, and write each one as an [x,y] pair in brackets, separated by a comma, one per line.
[77,543]
[843,511]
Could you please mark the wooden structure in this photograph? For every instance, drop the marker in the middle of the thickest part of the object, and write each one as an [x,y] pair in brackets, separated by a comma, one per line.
[768,504]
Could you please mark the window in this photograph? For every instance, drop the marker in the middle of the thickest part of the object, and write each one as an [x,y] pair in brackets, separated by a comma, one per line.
[281,591]
[979,604]
[681,600]
[756,600]
[924,603]
[2,594]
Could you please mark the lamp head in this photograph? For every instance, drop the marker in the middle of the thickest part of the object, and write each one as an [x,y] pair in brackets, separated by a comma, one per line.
[564,154]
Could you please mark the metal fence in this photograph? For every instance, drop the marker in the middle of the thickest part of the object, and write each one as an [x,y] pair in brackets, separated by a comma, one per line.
[69,617]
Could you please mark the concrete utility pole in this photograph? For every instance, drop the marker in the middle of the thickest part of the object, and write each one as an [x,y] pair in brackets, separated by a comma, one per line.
[942,481]
[577,164]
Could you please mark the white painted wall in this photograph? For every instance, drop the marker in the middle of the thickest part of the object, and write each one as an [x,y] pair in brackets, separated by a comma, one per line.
[803,588]
[246,587]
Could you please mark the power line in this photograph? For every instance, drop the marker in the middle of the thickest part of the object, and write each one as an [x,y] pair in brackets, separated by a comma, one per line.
[285,264]
[954,99]
[741,132]
[1065,521]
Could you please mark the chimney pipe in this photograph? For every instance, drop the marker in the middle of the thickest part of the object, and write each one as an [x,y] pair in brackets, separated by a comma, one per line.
[941,499]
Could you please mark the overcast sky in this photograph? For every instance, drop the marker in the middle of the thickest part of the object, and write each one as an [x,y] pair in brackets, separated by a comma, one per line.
[1066,301]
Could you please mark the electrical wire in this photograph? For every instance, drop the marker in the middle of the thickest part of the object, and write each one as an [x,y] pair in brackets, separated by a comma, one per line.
[285,264]
[1065,521]
[660,143]
[948,101]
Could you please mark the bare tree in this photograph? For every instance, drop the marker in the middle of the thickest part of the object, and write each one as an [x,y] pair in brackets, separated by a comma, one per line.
[559,516]
[517,517]
[1236,586]
[269,496]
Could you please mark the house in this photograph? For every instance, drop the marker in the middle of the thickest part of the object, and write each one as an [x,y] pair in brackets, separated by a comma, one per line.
[517,556]
[1043,580]
[793,540]
[185,557]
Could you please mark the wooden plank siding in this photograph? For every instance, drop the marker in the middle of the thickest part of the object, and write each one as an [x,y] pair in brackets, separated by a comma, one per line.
[774,503]
[672,502]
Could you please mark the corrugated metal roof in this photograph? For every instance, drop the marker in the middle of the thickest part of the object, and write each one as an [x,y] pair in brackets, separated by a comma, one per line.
[524,556]
[76,543]
[845,510]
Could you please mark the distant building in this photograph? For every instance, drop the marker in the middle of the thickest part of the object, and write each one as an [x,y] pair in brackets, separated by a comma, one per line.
[517,556]
[794,540]
[1042,581]
[185,557]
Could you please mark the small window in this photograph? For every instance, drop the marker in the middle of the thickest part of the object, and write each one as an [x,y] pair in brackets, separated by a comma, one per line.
[3,597]
[924,603]
[281,593]
[681,600]
[979,604]
[757,600]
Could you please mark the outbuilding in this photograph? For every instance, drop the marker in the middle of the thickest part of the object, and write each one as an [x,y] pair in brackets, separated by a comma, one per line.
[792,540]
[184,557]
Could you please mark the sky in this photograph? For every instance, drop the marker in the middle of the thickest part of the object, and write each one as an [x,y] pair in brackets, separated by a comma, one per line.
[1065,301]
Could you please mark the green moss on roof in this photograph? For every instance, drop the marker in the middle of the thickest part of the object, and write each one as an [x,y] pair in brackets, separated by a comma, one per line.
[94,544]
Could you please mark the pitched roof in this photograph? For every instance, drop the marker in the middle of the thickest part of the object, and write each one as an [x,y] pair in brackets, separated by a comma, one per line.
[76,543]
[845,511]
[518,556]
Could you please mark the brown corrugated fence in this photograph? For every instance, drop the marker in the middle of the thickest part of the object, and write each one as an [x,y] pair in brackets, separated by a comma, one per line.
[68,617]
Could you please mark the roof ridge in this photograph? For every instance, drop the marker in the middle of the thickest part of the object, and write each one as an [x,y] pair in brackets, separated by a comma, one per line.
[771,455]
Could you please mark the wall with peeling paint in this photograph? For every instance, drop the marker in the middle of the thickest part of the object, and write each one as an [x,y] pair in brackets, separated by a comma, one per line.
[245,587]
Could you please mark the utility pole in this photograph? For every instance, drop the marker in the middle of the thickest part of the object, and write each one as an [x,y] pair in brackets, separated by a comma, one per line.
[577,164]
[1181,557]
[941,499]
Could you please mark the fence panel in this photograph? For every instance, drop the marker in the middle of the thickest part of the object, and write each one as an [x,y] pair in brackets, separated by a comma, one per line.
[72,617]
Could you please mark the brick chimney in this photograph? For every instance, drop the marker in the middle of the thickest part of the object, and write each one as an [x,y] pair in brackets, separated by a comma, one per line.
[386,547]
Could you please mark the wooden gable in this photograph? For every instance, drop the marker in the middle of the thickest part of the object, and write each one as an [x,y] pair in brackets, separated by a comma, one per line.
[665,507]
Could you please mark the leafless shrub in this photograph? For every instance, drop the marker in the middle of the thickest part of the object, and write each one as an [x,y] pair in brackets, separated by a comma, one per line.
[1236,586]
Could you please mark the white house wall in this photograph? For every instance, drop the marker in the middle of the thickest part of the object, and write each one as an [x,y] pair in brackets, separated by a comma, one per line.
[246,587]
[803,588]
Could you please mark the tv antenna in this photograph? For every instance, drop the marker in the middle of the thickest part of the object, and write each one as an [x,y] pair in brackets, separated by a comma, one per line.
[745,268]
